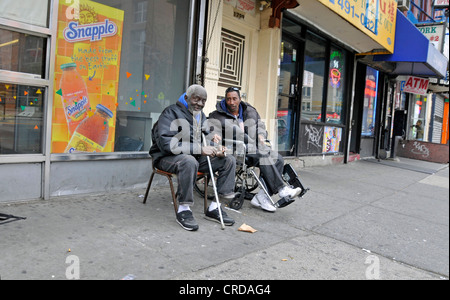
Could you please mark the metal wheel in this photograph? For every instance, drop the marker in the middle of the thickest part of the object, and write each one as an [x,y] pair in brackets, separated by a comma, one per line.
[247,180]
[245,184]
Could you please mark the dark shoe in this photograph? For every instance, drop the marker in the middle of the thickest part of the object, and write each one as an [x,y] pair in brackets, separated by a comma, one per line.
[214,216]
[187,221]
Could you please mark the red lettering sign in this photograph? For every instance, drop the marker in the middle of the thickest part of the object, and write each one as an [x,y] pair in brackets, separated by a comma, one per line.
[416,85]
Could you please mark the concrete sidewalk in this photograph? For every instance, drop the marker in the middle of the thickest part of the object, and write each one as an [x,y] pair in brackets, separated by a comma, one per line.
[363,220]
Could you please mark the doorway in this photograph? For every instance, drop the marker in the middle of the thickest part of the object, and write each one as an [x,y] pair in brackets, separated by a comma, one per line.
[289,96]
[365,114]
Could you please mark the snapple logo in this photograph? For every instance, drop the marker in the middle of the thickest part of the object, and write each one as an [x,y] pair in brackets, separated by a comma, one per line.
[77,107]
[93,32]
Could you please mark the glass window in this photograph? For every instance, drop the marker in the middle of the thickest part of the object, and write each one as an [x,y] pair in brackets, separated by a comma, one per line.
[131,59]
[336,86]
[140,12]
[22,52]
[285,112]
[313,78]
[418,108]
[34,12]
[370,102]
[21,119]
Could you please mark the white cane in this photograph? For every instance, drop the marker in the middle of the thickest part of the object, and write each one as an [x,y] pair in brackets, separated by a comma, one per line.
[214,185]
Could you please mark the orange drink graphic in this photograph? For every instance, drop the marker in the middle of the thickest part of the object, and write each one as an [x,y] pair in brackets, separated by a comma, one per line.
[74,96]
[92,133]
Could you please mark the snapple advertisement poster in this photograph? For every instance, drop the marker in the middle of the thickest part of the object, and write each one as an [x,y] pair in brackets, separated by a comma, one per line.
[86,77]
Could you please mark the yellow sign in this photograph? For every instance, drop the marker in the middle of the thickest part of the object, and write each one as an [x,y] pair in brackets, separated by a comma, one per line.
[376,18]
[88,49]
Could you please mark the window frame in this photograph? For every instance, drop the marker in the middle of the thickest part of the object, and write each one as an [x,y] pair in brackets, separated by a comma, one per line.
[28,79]
[26,25]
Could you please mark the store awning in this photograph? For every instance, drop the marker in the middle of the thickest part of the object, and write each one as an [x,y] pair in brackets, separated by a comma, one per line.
[413,53]
[348,24]
[439,86]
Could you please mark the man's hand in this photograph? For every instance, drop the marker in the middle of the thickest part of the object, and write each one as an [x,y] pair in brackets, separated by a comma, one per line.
[261,139]
[221,151]
[214,151]
[209,151]
[216,138]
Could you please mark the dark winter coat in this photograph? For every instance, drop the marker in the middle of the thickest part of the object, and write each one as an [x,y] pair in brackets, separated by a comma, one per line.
[227,125]
[175,133]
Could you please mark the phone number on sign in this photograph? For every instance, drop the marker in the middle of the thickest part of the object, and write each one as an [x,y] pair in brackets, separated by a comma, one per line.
[370,22]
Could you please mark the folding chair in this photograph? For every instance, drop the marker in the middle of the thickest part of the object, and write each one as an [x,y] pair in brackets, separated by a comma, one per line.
[169,176]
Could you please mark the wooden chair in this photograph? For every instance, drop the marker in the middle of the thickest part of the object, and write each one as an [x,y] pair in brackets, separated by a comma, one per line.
[170,176]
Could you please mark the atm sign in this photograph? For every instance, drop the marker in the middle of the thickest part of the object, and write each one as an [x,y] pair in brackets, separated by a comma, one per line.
[416,85]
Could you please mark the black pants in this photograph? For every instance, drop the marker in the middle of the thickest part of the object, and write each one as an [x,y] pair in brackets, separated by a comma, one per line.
[186,167]
[271,164]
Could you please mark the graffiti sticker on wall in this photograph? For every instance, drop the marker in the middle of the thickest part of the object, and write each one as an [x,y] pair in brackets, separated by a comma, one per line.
[331,139]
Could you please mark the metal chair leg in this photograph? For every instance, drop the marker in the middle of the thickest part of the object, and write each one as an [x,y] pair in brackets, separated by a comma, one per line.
[174,197]
[148,187]
[172,190]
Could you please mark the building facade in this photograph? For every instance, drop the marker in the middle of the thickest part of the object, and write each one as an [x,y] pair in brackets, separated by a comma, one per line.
[65,62]
[419,112]
[309,67]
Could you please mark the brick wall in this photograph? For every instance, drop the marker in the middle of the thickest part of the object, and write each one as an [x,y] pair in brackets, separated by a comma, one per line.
[423,151]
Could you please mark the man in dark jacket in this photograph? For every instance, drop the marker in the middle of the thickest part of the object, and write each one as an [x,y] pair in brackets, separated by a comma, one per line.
[237,120]
[177,148]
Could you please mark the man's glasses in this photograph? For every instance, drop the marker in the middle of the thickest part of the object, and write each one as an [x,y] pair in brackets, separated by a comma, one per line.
[232,89]
[235,89]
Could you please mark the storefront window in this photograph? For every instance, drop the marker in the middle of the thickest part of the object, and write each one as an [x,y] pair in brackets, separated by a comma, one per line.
[20,52]
[286,114]
[313,78]
[21,119]
[323,97]
[370,102]
[130,58]
[418,108]
[336,86]
[32,12]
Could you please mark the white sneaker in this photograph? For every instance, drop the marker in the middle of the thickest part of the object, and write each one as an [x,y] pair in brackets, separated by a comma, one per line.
[261,200]
[287,191]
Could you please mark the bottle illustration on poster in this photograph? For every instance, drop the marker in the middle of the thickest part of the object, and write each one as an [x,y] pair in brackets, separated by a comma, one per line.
[92,133]
[75,98]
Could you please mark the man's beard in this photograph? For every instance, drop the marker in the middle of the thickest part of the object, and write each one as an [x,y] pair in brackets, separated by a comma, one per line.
[197,114]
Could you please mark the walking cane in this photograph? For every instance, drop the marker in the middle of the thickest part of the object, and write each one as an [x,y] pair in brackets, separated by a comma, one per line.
[214,184]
